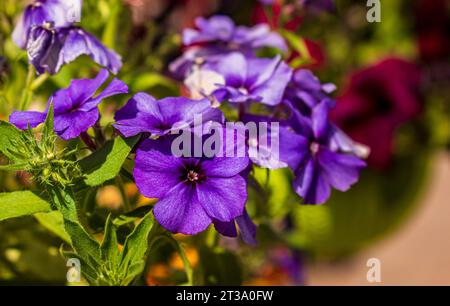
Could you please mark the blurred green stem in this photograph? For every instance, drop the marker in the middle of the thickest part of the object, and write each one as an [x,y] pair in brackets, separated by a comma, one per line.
[26,94]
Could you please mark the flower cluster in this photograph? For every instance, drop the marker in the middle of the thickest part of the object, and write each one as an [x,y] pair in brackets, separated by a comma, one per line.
[220,67]
[47,31]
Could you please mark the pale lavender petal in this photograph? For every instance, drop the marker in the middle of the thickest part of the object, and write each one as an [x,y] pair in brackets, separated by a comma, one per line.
[233,68]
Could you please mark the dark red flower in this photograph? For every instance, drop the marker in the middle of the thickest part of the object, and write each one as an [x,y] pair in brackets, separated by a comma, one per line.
[376,102]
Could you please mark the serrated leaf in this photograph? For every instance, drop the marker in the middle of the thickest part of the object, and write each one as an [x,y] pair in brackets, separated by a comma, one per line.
[105,164]
[15,167]
[21,203]
[54,222]
[49,125]
[8,133]
[110,247]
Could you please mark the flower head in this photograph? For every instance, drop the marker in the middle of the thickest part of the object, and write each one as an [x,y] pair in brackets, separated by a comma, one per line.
[75,107]
[308,148]
[143,113]
[247,80]
[58,13]
[192,192]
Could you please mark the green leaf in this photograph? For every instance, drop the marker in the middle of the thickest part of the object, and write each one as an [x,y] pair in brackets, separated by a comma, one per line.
[299,45]
[110,247]
[136,244]
[49,125]
[105,164]
[151,80]
[54,222]
[15,167]
[8,133]
[21,203]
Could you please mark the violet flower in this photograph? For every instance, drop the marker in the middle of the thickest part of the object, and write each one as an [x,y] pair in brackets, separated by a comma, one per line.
[49,49]
[308,148]
[75,107]
[59,13]
[252,80]
[218,36]
[192,192]
[143,113]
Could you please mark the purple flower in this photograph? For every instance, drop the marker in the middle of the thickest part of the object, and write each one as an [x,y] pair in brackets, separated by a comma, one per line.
[58,13]
[192,192]
[247,80]
[49,49]
[75,108]
[308,147]
[217,36]
[306,91]
[143,113]
[221,29]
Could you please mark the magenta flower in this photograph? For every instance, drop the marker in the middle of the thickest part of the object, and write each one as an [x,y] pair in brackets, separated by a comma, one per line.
[75,108]
[192,192]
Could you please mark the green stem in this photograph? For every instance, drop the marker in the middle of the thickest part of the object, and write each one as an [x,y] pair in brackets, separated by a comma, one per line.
[26,94]
[187,265]
[121,185]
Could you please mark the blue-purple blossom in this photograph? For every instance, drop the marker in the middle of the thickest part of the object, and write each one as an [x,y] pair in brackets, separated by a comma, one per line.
[218,36]
[193,192]
[49,49]
[247,228]
[75,107]
[306,91]
[58,13]
[252,80]
[143,113]
[308,146]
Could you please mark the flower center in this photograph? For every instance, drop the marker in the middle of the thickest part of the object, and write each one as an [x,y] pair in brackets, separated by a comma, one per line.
[243,91]
[193,176]
[314,147]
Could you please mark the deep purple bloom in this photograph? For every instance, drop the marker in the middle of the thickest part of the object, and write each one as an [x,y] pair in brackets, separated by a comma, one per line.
[252,80]
[75,107]
[218,36]
[58,13]
[49,49]
[192,192]
[306,91]
[143,113]
[308,147]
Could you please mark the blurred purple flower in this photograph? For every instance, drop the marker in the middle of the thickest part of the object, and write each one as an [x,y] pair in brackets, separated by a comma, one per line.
[58,13]
[75,107]
[143,113]
[218,36]
[308,147]
[319,5]
[256,79]
[192,192]
[49,49]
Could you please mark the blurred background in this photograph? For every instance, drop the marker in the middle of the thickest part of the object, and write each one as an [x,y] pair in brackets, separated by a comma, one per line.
[393,95]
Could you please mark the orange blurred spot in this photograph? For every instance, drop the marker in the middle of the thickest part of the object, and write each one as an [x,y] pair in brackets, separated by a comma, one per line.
[177,263]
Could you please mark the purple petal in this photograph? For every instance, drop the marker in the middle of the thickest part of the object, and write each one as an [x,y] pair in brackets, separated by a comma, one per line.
[83,89]
[227,229]
[212,29]
[233,68]
[116,87]
[223,198]
[24,119]
[179,211]
[311,185]
[340,170]
[156,170]
[70,125]
[320,122]
[43,49]
[294,148]
[247,228]
[259,36]
[79,42]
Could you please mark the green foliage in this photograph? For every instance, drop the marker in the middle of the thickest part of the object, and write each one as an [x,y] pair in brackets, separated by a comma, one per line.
[104,164]
[20,204]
